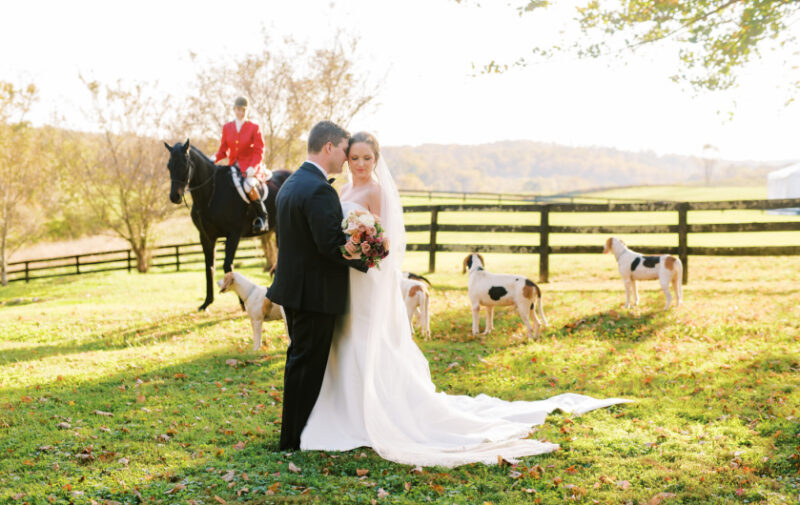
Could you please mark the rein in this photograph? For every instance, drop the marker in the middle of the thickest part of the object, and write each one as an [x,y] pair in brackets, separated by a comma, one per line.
[189,188]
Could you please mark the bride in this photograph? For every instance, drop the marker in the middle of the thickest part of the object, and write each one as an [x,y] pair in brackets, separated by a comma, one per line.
[377,389]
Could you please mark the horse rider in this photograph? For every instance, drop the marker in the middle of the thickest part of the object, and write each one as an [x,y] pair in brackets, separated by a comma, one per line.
[243,146]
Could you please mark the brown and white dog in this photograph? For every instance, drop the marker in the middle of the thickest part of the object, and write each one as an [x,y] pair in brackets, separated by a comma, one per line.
[417,299]
[491,290]
[257,305]
[634,267]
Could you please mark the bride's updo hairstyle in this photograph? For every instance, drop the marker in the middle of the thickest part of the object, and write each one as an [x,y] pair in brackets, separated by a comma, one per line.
[367,138]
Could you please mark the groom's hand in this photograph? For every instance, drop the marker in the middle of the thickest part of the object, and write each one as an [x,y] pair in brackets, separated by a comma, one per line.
[350,248]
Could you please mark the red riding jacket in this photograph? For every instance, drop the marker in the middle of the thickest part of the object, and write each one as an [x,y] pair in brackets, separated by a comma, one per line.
[245,146]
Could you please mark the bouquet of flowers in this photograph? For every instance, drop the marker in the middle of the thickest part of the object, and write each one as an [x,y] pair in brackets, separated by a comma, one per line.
[366,234]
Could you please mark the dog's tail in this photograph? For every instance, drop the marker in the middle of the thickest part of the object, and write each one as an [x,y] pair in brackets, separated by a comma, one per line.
[540,309]
[677,280]
[416,277]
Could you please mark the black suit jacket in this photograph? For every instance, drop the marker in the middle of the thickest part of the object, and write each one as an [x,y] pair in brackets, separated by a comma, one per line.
[311,274]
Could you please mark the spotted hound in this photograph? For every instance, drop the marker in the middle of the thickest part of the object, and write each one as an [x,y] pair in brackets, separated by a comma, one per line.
[257,305]
[491,290]
[634,267]
[417,299]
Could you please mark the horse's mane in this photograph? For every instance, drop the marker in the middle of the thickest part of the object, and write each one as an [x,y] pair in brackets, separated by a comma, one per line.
[201,153]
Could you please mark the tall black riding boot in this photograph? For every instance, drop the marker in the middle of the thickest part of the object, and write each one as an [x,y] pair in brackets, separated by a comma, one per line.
[260,223]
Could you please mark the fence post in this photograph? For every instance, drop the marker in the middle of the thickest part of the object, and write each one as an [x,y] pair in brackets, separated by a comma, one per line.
[177,258]
[129,260]
[683,230]
[432,242]
[27,277]
[544,243]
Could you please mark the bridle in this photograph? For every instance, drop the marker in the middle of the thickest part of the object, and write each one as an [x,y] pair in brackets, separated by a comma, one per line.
[189,175]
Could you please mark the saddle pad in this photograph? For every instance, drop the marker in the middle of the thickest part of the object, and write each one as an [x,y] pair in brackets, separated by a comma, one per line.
[238,180]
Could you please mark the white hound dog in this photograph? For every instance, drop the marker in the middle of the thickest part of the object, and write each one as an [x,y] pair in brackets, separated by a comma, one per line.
[491,290]
[257,305]
[417,299]
[634,267]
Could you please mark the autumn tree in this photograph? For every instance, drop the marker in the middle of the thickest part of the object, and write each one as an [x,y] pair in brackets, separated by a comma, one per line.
[24,189]
[290,87]
[713,38]
[123,174]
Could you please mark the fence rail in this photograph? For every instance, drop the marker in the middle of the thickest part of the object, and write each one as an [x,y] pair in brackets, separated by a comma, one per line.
[179,255]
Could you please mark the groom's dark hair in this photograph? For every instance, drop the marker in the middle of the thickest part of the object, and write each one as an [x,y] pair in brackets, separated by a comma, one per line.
[324,132]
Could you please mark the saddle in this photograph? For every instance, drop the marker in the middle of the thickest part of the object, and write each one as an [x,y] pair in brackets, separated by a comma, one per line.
[238,183]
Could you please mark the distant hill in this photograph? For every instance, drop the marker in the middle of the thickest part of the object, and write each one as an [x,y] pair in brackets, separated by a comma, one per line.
[525,166]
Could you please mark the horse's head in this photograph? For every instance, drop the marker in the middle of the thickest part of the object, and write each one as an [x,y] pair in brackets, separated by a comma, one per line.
[179,166]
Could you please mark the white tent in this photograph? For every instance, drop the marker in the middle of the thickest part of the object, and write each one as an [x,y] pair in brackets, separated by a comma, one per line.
[784,183]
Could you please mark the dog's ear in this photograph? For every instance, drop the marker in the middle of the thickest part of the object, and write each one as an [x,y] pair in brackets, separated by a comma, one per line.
[467,263]
[608,245]
[226,282]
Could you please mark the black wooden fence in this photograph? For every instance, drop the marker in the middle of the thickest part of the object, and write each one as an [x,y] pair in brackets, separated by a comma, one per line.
[179,255]
[545,229]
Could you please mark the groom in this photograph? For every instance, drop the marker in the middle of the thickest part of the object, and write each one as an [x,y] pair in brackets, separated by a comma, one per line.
[311,276]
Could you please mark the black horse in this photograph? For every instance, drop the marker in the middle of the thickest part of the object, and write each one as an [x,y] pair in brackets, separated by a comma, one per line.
[217,209]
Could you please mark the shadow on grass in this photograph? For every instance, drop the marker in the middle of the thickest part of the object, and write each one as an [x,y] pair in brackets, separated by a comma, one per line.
[159,331]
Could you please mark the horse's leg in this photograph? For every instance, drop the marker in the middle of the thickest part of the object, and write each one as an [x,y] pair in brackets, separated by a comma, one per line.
[231,244]
[208,253]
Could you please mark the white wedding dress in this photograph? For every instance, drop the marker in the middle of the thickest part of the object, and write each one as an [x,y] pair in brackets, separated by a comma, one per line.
[377,389]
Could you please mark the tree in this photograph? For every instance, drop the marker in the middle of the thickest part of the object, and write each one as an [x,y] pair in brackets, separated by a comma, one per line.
[23,195]
[714,38]
[123,174]
[709,161]
[288,90]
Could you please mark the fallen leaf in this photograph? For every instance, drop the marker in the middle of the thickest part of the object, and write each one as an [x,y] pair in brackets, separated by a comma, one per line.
[178,487]
[407,486]
[229,476]
[382,493]
[623,484]
[239,446]
[501,461]
[657,499]
[361,472]
[294,468]
[101,413]
[232,362]
[63,426]
[223,502]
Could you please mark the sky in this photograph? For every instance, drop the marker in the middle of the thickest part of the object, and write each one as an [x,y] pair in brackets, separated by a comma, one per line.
[422,51]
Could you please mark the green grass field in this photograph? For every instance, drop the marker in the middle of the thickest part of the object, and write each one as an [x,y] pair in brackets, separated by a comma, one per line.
[114,390]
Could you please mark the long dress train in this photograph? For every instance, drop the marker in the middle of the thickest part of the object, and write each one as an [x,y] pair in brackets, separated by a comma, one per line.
[377,392]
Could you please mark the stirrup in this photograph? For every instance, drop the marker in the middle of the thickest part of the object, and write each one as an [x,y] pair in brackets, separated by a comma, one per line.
[259,225]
